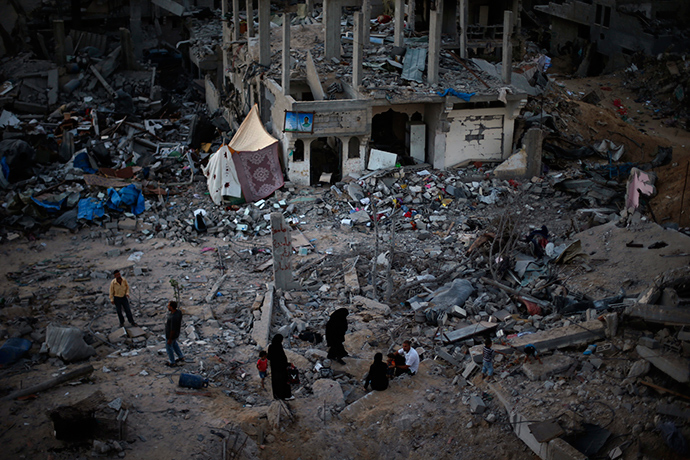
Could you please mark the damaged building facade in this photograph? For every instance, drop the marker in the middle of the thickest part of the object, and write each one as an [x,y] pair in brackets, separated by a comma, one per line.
[610,32]
[368,102]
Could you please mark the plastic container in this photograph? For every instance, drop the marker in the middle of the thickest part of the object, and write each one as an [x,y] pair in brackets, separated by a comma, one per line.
[13,350]
[193,381]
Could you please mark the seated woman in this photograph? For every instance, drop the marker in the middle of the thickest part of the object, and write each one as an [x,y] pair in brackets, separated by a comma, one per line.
[378,374]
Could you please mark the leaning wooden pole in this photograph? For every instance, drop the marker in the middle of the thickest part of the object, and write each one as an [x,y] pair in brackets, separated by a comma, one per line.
[82,371]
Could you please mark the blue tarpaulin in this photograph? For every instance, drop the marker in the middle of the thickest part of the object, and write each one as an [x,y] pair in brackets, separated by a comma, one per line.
[81,161]
[90,208]
[49,206]
[465,96]
[127,198]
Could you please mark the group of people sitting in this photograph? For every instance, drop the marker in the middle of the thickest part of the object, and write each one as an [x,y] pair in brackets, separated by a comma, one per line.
[403,361]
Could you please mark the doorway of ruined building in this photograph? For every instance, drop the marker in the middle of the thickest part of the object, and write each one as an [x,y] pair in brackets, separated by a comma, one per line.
[325,160]
[390,133]
[422,14]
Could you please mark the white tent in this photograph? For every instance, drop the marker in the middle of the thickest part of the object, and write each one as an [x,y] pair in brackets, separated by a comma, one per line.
[248,166]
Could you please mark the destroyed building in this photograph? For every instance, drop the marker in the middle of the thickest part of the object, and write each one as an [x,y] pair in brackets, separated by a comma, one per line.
[118,135]
[606,34]
[368,99]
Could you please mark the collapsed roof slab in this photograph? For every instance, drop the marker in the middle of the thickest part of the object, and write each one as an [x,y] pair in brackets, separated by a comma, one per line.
[555,449]
[560,337]
[670,364]
[670,316]
[169,5]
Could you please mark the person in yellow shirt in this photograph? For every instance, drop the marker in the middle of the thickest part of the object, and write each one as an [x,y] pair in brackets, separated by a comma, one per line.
[119,296]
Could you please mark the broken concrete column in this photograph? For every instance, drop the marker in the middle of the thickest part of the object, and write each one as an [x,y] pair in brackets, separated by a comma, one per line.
[366,27]
[313,79]
[135,28]
[358,50]
[128,59]
[282,252]
[235,20]
[435,23]
[286,53]
[59,33]
[533,146]
[399,34]
[411,8]
[265,32]
[462,20]
[507,47]
[332,9]
[250,18]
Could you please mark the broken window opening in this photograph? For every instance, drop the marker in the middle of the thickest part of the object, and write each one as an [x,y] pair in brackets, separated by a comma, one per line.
[298,151]
[353,148]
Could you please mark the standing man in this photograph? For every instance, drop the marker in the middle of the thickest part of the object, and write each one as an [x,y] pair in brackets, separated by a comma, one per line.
[411,360]
[119,295]
[173,324]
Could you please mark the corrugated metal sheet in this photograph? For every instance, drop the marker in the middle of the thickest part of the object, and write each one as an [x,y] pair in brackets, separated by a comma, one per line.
[414,64]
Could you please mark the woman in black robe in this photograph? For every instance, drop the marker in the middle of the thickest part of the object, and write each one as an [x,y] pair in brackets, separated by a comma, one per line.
[336,327]
[279,364]
[378,374]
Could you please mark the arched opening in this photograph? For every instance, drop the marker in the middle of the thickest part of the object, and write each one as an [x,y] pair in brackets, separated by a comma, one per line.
[298,151]
[324,160]
[353,148]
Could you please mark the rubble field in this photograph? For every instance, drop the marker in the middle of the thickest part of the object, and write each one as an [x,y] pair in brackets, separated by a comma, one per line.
[441,258]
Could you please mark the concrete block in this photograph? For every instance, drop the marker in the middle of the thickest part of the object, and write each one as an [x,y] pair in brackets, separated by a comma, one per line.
[649,342]
[671,364]
[470,369]
[514,167]
[373,305]
[552,365]
[114,253]
[477,406]
[328,392]
[127,224]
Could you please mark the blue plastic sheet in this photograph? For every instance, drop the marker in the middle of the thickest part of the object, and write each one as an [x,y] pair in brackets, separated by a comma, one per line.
[464,96]
[129,197]
[90,208]
[81,161]
[48,205]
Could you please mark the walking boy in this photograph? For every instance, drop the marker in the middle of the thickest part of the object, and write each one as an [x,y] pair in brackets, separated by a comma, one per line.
[173,324]
[488,355]
[262,365]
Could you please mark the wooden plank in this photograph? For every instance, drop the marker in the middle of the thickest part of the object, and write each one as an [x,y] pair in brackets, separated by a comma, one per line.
[105,84]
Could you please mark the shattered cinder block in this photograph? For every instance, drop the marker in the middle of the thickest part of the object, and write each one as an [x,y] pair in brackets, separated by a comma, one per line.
[477,406]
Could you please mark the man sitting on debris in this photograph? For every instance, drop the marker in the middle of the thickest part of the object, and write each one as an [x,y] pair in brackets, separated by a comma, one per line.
[173,324]
[119,296]
[411,360]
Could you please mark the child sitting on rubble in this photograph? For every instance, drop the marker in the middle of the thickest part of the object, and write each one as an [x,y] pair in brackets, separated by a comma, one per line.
[531,352]
[390,362]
